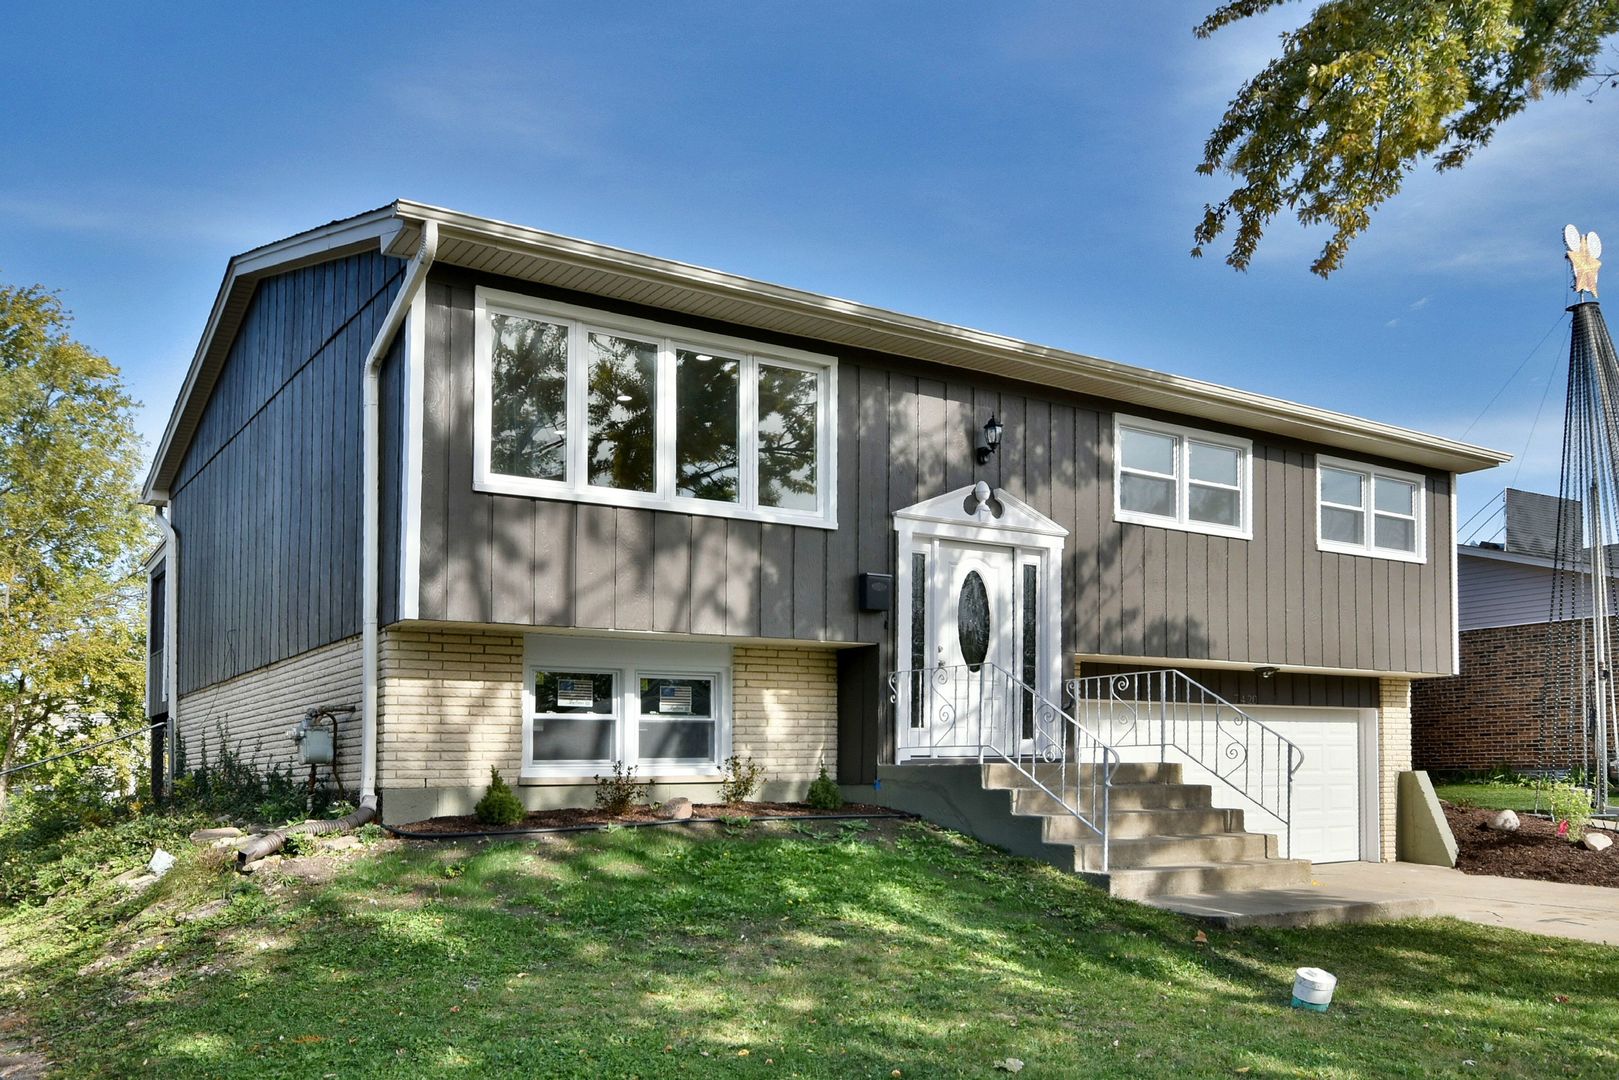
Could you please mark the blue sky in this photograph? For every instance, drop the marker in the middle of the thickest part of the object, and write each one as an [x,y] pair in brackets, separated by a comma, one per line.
[1024,168]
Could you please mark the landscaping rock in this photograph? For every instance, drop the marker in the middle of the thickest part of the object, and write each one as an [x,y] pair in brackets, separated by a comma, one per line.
[266,863]
[342,842]
[1504,821]
[162,862]
[1596,841]
[203,836]
[135,880]
[676,809]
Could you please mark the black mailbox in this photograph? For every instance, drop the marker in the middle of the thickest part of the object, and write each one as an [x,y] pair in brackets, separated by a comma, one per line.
[876,592]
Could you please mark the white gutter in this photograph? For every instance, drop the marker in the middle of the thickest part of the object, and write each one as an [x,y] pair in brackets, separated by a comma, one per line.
[371,533]
[171,636]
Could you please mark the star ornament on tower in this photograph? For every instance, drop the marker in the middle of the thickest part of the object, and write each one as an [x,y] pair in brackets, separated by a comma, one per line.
[1585,256]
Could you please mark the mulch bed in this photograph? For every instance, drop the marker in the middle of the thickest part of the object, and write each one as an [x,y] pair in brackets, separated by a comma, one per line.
[1535,851]
[571,816]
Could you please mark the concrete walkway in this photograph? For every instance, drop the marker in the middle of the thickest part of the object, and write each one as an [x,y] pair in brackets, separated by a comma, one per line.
[1581,912]
[1363,892]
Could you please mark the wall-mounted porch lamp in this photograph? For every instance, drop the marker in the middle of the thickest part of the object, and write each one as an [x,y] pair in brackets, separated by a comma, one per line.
[1267,672]
[992,439]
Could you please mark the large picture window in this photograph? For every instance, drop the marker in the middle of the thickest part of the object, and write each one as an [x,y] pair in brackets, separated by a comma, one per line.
[1368,510]
[579,404]
[1180,478]
[663,708]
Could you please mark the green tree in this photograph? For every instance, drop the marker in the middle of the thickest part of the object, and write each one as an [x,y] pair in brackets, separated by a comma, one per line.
[71,603]
[1365,89]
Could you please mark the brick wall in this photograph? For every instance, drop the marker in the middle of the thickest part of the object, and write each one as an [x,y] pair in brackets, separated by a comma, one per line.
[450,706]
[1493,713]
[252,714]
[785,702]
[1393,756]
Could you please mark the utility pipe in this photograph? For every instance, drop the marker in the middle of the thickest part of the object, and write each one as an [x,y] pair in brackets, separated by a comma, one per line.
[171,635]
[415,277]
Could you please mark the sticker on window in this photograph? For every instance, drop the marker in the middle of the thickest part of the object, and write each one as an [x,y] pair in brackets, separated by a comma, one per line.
[575,693]
[674,699]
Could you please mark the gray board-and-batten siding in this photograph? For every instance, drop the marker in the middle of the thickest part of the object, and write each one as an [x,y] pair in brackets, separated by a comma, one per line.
[267,499]
[907,430]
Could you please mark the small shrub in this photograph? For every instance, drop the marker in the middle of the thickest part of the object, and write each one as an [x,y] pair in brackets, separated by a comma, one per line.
[500,804]
[824,793]
[298,844]
[370,833]
[1571,804]
[615,794]
[739,780]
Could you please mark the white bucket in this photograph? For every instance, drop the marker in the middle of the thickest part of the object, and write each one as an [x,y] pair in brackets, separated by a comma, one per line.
[1312,989]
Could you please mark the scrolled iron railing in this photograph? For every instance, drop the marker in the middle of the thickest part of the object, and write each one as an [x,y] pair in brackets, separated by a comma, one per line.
[1169,710]
[984,711]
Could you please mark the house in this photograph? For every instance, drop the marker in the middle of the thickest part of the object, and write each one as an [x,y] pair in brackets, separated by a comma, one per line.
[535,503]
[1523,619]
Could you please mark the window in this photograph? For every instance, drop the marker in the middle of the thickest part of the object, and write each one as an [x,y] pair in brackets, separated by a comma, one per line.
[578,404]
[661,707]
[1369,510]
[1182,479]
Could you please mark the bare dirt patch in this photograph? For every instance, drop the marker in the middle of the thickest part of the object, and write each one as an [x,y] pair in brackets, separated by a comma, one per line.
[572,817]
[1535,851]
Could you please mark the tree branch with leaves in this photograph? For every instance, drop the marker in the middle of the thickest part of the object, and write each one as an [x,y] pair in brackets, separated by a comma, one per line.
[1365,89]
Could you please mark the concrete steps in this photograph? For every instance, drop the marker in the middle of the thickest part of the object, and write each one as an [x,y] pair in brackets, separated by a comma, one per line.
[1167,836]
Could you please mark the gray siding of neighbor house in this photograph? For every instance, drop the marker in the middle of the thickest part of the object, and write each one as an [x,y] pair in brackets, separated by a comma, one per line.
[1499,592]
[907,431]
[267,498]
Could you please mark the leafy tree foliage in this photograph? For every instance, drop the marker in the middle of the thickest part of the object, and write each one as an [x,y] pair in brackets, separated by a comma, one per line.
[1365,89]
[71,605]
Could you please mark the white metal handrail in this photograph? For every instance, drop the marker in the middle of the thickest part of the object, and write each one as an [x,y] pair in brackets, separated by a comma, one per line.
[1167,709]
[983,711]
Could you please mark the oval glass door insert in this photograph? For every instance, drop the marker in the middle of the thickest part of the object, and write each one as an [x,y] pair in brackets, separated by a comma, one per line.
[972,620]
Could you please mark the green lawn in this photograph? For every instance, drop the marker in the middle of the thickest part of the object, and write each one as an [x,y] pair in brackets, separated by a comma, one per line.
[767,951]
[1488,795]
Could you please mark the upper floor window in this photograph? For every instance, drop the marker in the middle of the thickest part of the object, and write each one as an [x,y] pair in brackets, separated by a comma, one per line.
[581,404]
[1370,510]
[1182,479]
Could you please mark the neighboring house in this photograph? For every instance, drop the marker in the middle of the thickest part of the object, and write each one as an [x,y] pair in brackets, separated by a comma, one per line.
[628,509]
[1524,623]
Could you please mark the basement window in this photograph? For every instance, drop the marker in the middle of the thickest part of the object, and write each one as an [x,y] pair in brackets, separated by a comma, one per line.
[660,707]
[1370,510]
[1181,478]
[579,404]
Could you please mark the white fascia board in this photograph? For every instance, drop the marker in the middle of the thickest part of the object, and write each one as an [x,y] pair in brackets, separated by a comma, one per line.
[316,245]
[1036,363]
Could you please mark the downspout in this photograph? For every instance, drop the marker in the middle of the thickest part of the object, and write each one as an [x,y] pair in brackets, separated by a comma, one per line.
[171,634]
[415,278]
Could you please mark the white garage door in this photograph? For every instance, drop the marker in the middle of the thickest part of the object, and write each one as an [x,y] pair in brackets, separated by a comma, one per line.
[1327,788]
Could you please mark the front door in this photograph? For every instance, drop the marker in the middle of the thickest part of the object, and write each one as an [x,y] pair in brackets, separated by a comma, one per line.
[970,632]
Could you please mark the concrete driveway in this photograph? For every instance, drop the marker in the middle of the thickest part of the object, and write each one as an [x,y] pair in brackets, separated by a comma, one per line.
[1581,912]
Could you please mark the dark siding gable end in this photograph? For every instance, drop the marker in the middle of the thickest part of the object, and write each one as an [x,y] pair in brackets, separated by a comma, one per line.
[267,498]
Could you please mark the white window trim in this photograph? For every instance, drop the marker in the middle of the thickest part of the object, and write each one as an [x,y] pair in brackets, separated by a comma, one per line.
[549,652]
[575,488]
[1368,549]
[1244,530]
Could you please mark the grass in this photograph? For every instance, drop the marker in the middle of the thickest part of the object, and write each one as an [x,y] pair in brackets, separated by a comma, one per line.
[1488,795]
[765,951]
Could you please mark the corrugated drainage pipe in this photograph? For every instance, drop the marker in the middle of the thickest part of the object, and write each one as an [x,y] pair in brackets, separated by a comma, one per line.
[273,841]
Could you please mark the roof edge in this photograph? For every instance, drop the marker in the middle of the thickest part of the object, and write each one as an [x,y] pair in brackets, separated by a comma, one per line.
[1277,415]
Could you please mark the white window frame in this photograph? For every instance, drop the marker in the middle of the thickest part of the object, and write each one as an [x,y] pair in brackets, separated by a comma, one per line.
[628,664]
[1184,437]
[581,321]
[1369,548]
